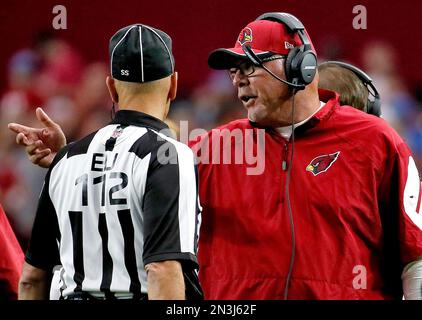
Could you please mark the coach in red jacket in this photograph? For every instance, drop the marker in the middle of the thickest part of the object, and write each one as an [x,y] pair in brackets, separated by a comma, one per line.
[354,191]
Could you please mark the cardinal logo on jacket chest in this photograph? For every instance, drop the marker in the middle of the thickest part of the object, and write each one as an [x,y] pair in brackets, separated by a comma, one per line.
[322,163]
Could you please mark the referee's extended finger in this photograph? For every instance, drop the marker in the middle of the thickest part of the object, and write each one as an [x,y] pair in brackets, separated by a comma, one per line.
[30,133]
[18,128]
[44,118]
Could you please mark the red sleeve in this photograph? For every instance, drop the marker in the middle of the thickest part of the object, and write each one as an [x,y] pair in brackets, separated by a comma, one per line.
[410,221]
[11,260]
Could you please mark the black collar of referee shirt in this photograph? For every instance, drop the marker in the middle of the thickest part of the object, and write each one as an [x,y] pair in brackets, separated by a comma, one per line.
[140,119]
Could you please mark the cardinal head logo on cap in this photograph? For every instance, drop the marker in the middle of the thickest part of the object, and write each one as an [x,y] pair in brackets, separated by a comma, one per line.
[245,36]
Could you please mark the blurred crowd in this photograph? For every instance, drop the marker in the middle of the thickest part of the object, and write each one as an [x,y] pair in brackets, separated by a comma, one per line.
[54,75]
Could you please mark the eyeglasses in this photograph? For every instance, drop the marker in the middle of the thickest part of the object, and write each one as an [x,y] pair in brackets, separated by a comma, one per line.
[247,68]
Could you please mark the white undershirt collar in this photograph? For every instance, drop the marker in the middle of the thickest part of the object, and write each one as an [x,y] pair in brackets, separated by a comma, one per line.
[286,131]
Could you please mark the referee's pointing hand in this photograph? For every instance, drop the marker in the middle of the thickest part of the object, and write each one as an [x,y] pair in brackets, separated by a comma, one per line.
[42,144]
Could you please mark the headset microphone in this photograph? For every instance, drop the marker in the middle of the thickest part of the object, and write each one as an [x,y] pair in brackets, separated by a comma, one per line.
[258,62]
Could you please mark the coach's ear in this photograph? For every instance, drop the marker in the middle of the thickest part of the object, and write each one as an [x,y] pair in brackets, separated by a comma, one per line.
[173,86]
[112,89]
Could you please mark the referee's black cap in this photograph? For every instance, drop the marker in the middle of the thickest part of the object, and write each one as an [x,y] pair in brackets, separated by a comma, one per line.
[140,53]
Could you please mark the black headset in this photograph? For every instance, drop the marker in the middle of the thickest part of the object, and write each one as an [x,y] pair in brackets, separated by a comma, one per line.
[372,106]
[301,62]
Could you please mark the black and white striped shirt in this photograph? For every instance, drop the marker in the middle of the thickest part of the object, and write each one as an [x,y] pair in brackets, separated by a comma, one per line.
[120,198]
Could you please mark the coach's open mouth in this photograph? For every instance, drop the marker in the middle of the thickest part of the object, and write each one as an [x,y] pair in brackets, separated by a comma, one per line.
[247,98]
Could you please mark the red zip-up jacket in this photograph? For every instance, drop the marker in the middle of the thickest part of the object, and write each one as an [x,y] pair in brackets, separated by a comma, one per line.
[355,198]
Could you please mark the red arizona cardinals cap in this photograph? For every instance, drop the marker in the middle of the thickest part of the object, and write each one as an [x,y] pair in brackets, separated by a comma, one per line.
[265,37]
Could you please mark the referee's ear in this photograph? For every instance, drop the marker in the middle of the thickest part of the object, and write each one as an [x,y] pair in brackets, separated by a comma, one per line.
[173,86]
[112,89]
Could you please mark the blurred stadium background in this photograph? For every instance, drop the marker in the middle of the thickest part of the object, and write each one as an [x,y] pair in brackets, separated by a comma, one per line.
[64,70]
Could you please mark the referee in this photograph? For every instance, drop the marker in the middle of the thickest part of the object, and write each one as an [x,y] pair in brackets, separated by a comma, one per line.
[119,208]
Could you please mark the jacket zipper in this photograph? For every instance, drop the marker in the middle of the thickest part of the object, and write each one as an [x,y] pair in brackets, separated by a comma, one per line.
[285,154]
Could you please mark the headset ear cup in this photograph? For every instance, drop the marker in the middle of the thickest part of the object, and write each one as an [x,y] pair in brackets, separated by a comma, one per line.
[291,71]
[374,107]
[369,107]
[307,66]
